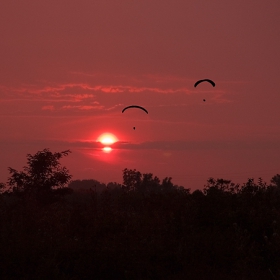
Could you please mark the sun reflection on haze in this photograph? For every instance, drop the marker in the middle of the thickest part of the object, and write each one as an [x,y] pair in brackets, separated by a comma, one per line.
[107,139]
[107,149]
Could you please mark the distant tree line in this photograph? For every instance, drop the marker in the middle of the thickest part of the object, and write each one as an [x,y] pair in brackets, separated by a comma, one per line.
[89,185]
[144,228]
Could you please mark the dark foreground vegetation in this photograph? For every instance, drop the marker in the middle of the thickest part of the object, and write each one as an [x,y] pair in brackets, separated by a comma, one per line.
[143,228]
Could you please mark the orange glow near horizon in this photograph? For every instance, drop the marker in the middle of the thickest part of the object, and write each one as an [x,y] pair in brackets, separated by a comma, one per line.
[107,138]
[107,149]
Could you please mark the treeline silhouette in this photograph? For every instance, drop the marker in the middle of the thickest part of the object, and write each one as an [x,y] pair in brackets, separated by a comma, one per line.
[88,185]
[144,228]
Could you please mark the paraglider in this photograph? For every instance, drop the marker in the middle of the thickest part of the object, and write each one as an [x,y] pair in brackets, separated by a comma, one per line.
[204,80]
[135,106]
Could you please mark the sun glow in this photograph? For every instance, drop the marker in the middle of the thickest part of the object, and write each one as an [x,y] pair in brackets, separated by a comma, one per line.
[107,138]
[107,149]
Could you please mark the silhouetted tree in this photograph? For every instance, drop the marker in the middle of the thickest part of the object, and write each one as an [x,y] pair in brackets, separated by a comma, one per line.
[86,185]
[167,184]
[2,187]
[221,186]
[113,185]
[42,173]
[250,188]
[134,180]
[149,183]
[276,181]
[116,234]
[198,194]
[131,179]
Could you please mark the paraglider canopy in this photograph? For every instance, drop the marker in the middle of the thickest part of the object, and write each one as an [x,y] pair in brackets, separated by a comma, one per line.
[204,80]
[135,106]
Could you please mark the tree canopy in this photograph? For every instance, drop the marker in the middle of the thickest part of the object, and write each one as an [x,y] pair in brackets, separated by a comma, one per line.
[144,228]
[42,173]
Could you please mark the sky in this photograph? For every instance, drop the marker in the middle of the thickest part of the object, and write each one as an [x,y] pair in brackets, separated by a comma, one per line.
[69,68]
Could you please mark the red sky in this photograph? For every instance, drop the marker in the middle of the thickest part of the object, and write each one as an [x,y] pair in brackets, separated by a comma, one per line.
[68,68]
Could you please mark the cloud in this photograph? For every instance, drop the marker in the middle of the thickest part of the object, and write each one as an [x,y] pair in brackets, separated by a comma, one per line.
[73,91]
[82,107]
[48,107]
[79,97]
[168,146]
[89,91]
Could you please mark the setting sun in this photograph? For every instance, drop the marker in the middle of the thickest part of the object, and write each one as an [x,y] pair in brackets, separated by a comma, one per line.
[107,149]
[107,138]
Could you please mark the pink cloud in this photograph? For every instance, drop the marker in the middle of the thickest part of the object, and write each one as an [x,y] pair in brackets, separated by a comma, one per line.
[48,107]
[82,107]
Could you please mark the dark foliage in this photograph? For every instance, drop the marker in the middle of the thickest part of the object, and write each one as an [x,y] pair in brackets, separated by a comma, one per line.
[91,185]
[145,230]
[43,177]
